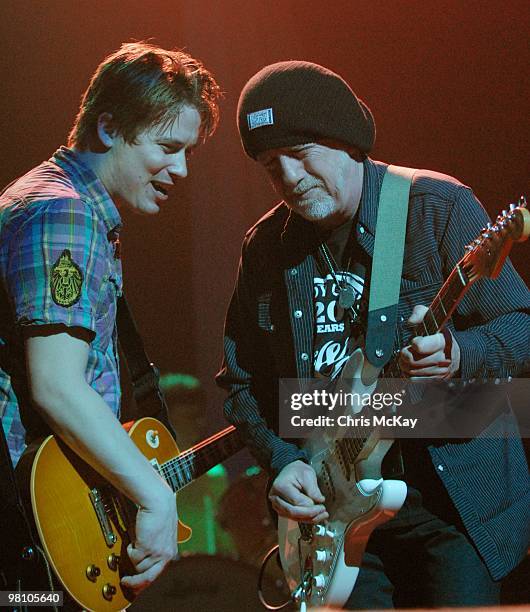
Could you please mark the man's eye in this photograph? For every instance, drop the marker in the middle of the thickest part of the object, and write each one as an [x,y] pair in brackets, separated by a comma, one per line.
[302,152]
[169,149]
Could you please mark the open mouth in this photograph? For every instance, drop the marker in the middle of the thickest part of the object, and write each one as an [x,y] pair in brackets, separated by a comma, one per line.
[160,188]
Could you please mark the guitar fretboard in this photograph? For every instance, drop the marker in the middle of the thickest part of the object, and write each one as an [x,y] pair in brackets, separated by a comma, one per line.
[196,461]
[445,302]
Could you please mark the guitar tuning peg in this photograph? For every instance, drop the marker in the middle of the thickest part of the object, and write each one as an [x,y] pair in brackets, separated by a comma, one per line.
[513,207]
[489,226]
[504,213]
[469,247]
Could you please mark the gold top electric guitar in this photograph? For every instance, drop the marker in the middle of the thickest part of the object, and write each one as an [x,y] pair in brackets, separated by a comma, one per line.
[85,524]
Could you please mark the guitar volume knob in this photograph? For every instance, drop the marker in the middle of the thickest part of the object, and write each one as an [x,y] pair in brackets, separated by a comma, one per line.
[109,590]
[319,581]
[92,572]
[320,530]
[113,561]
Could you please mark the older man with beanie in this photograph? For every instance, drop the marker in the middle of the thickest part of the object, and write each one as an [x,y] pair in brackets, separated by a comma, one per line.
[300,305]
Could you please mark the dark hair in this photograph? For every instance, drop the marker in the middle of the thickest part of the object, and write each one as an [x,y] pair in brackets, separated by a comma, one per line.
[142,85]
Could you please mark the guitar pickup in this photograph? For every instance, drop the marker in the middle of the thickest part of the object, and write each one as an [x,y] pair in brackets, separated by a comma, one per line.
[326,481]
[343,459]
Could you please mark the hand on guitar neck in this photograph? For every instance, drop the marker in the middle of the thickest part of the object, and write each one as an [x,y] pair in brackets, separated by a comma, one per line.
[433,356]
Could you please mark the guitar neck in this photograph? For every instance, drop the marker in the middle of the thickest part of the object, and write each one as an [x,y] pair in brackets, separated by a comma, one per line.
[484,257]
[445,302]
[196,461]
[440,310]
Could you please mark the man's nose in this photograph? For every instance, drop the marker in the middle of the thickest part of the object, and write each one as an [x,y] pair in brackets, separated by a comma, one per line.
[291,170]
[178,165]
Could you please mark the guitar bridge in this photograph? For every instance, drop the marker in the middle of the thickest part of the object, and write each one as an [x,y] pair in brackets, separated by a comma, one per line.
[99,503]
[303,590]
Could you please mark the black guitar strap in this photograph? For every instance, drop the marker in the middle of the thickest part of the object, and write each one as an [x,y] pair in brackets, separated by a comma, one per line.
[23,566]
[13,523]
[144,374]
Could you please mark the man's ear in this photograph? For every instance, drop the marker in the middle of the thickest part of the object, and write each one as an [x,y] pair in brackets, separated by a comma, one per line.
[106,130]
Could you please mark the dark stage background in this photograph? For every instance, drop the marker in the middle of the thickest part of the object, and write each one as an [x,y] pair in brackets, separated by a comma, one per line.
[448,83]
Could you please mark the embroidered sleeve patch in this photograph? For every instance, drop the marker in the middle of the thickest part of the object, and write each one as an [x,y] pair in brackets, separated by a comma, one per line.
[66,280]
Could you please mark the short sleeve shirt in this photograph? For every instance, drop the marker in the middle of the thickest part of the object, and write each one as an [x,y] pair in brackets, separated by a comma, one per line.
[59,264]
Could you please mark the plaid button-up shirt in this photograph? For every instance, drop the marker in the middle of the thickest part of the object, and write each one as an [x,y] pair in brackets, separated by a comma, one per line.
[58,213]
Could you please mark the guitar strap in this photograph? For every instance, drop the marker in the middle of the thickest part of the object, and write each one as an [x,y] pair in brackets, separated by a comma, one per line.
[23,566]
[150,400]
[387,264]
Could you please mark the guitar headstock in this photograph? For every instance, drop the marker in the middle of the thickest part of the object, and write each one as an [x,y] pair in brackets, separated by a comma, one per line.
[486,254]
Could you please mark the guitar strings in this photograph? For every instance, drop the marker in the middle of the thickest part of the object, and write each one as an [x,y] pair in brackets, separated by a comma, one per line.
[181,470]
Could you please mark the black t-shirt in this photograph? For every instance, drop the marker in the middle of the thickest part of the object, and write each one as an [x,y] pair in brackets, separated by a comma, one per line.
[337,329]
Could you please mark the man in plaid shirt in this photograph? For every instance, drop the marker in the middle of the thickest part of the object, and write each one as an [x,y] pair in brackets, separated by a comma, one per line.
[60,272]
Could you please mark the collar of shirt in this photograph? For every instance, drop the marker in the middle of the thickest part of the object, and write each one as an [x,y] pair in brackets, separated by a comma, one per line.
[372,181]
[88,184]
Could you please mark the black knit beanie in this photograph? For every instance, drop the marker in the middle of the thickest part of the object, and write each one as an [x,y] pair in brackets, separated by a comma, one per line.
[292,103]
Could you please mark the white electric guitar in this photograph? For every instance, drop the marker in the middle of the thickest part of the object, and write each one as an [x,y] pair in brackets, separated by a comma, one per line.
[321,562]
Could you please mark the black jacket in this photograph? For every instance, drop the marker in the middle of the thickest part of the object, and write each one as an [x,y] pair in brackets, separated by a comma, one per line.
[487,479]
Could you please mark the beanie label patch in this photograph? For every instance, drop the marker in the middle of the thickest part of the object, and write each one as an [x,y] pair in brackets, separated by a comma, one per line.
[260,118]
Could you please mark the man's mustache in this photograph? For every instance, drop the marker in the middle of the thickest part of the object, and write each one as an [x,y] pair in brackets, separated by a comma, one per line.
[305,185]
